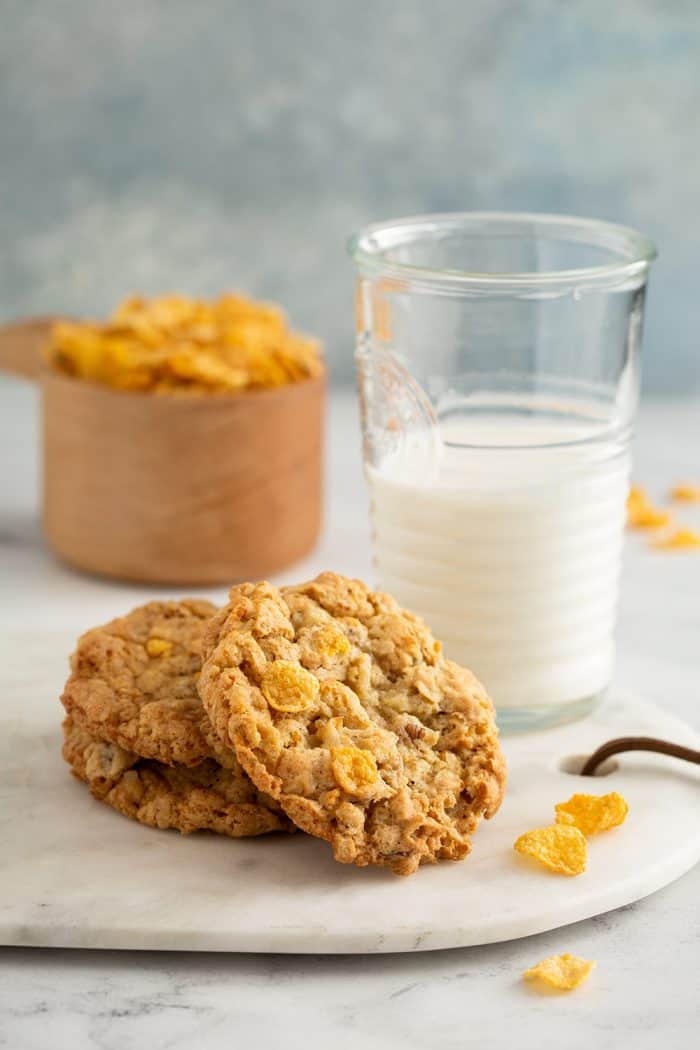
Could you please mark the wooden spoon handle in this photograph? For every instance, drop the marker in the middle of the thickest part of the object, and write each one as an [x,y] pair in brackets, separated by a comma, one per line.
[21,344]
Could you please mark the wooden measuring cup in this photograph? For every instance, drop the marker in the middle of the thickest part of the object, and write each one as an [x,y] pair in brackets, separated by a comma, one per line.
[194,489]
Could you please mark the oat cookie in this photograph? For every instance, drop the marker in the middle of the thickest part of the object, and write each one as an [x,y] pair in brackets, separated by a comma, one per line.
[133,682]
[189,798]
[341,705]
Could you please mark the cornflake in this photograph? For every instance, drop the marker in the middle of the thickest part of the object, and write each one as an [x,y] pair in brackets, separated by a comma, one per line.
[686,492]
[172,344]
[330,642]
[641,514]
[354,769]
[288,687]
[592,813]
[559,847]
[681,539]
[158,646]
[560,971]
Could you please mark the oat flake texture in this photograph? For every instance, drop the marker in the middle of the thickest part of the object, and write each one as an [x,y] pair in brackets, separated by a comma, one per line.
[133,682]
[340,705]
[205,797]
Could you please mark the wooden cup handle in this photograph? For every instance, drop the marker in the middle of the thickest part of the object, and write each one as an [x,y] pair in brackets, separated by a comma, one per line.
[21,345]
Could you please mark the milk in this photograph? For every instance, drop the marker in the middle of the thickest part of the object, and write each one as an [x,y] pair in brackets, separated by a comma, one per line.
[510,552]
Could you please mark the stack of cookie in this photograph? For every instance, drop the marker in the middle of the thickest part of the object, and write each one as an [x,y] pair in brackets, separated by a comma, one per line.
[137,734]
[321,706]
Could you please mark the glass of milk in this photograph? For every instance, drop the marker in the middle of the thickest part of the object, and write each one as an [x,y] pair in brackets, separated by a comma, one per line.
[498,364]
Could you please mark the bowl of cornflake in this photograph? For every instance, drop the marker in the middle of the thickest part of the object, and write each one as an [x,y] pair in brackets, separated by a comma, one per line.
[182,439]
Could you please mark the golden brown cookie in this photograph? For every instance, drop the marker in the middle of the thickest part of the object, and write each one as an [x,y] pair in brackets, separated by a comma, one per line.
[341,705]
[189,798]
[133,682]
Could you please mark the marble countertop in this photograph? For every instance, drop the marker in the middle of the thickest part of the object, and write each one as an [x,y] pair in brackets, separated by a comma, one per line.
[644,990]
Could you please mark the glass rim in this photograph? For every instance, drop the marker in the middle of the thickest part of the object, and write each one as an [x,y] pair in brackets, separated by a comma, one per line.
[369,245]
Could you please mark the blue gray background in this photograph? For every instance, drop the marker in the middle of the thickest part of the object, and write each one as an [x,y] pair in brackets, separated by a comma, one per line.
[202,144]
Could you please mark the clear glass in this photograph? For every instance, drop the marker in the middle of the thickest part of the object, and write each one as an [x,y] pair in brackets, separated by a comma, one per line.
[498,365]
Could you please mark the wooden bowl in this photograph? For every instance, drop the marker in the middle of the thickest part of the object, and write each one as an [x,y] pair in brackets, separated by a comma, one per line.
[174,489]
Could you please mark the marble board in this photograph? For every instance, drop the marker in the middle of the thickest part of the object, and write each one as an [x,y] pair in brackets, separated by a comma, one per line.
[74,873]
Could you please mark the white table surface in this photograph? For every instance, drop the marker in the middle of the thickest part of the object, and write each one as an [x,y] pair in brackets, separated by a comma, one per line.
[644,992]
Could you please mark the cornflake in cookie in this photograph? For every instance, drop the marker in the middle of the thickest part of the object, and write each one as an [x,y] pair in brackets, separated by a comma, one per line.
[341,705]
[205,797]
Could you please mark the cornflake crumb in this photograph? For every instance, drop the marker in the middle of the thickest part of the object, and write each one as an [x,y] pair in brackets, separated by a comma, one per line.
[642,514]
[686,492]
[564,972]
[681,539]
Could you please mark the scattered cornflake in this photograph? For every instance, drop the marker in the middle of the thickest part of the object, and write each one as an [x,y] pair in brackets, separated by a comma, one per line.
[637,499]
[593,813]
[642,514]
[564,972]
[637,494]
[681,539]
[173,345]
[686,492]
[651,518]
[559,847]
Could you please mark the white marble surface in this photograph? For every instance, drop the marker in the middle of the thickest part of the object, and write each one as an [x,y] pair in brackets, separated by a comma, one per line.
[87,878]
[644,990]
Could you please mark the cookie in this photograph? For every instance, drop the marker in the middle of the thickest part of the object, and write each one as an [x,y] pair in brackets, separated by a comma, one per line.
[341,705]
[133,682]
[206,796]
